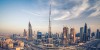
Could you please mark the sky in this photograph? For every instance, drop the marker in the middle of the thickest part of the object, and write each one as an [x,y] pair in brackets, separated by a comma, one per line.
[16,14]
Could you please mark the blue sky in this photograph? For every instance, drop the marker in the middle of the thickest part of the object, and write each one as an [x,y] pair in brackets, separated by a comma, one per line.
[15,15]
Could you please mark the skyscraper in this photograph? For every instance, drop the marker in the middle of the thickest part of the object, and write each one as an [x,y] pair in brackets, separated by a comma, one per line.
[65,32]
[50,40]
[30,31]
[39,35]
[72,36]
[25,33]
[97,34]
[85,33]
[49,31]
[81,34]
[89,32]
[85,28]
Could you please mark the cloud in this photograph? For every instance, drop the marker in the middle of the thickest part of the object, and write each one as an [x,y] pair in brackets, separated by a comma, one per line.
[71,9]
[97,8]
[54,12]
[63,16]
[39,13]
[29,12]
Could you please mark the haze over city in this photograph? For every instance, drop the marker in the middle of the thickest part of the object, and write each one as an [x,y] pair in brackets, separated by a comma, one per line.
[16,14]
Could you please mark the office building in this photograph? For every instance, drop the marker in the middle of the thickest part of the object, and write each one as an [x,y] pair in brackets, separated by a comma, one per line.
[30,32]
[72,36]
[39,35]
[89,32]
[85,33]
[81,34]
[97,34]
[25,33]
[65,32]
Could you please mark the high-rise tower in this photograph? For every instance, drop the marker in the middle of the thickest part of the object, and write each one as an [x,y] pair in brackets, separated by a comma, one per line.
[25,33]
[89,32]
[81,34]
[72,36]
[85,33]
[30,31]
[85,28]
[50,40]
[97,34]
[49,31]
[65,33]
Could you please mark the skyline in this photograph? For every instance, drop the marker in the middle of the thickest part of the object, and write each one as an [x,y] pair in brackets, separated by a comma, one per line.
[15,15]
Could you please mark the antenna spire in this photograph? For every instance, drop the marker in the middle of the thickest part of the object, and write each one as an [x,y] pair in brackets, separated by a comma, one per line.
[50,21]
